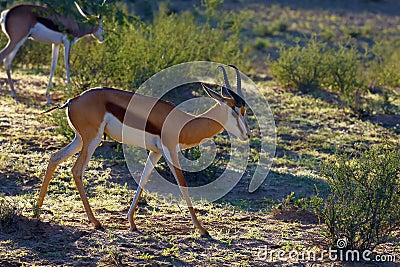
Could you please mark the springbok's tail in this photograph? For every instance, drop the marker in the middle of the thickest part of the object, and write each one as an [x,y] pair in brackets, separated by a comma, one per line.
[3,17]
[56,107]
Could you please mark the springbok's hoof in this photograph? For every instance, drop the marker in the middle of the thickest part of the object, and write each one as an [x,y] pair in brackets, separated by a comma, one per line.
[100,228]
[36,211]
[206,235]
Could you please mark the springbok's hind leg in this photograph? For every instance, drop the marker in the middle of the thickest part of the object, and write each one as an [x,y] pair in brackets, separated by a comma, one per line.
[88,148]
[55,159]
[7,55]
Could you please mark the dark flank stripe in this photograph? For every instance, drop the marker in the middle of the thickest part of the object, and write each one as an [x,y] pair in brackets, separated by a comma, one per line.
[51,25]
[120,112]
[116,111]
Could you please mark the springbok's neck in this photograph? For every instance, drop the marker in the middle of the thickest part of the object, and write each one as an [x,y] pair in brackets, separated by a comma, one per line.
[86,29]
[203,126]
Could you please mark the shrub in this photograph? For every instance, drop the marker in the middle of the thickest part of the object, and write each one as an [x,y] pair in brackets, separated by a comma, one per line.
[315,65]
[133,52]
[385,65]
[261,43]
[364,203]
[300,66]
[9,210]
[270,28]
[343,67]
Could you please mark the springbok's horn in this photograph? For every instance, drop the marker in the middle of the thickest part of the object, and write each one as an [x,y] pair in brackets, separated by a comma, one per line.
[238,80]
[226,86]
[80,10]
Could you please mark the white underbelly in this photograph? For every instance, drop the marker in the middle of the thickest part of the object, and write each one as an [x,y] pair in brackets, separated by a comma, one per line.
[43,34]
[129,135]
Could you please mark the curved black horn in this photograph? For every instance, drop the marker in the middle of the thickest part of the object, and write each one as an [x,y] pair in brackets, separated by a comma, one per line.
[226,82]
[238,80]
[85,15]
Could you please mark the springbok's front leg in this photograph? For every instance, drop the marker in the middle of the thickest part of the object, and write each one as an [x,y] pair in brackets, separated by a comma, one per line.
[173,164]
[54,59]
[152,160]
[67,53]
[55,49]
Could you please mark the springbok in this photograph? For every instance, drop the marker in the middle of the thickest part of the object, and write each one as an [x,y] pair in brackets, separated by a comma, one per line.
[29,21]
[149,123]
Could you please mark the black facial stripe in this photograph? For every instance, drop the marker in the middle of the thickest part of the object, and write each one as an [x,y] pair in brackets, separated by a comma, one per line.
[237,117]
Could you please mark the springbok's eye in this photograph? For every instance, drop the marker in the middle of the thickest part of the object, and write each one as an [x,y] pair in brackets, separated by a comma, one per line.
[237,110]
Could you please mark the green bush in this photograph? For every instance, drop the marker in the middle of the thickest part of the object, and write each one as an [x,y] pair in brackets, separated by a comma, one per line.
[364,203]
[261,43]
[9,211]
[133,52]
[343,75]
[314,65]
[300,66]
[385,65]
[270,28]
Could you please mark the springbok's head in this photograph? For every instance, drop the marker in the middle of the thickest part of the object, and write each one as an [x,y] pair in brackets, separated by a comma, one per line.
[233,104]
[98,29]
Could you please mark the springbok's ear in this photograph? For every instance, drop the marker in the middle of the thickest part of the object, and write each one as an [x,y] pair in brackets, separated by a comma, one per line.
[212,93]
[238,99]
[225,92]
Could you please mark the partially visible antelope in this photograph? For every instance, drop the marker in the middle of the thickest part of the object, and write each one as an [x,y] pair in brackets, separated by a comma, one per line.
[29,21]
[146,122]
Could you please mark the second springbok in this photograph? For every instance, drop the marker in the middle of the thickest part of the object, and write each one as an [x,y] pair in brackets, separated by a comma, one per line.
[149,123]
[29,21]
